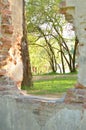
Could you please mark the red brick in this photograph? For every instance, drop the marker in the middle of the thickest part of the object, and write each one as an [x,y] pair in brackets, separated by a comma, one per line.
[8,29]
[2,72]
[6,41]
[6,12]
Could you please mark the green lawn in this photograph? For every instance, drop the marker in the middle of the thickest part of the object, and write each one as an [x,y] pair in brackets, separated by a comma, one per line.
[50,87]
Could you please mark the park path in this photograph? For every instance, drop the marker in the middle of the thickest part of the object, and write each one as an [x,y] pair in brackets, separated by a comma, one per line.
[46,77]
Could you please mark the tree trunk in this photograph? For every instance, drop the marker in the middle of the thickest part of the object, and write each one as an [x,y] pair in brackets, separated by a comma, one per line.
[74,54]
[62,60]
[27,75]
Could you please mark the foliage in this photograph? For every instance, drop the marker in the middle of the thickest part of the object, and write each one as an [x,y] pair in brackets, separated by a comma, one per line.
[46,24]
[37,54]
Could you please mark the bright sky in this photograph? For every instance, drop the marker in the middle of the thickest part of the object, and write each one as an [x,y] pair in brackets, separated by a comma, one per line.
[68,31]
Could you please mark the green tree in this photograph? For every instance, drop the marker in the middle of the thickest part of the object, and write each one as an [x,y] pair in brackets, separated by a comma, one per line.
[43,19]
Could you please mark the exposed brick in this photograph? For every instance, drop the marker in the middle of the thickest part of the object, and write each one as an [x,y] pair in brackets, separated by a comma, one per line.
[10,44]
[6,41]
[7,29]
[4,5]
[79,86]
[2,72]
[3,63]
[6,12]
[76,96]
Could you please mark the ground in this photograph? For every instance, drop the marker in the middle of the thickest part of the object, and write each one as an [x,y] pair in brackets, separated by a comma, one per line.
[54,86]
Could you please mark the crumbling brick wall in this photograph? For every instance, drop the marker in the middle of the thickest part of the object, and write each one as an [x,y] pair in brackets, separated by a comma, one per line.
[10,41]
[19,112]
[6,30]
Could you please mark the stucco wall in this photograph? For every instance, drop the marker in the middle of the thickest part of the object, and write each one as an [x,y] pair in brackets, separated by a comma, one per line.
[35,113]
[80,24]
[75,12]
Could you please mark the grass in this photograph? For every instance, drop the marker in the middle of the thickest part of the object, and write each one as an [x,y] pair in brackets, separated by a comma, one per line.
[50,87]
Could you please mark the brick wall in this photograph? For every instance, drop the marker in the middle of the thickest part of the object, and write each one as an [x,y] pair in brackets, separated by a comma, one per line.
[6,31]
[10,41]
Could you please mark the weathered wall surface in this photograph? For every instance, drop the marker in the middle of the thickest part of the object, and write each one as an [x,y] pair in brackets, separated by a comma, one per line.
[19,112]
[80,24]
[15,67]
[30,113]
[6,31]
[11,21]
[75,12]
